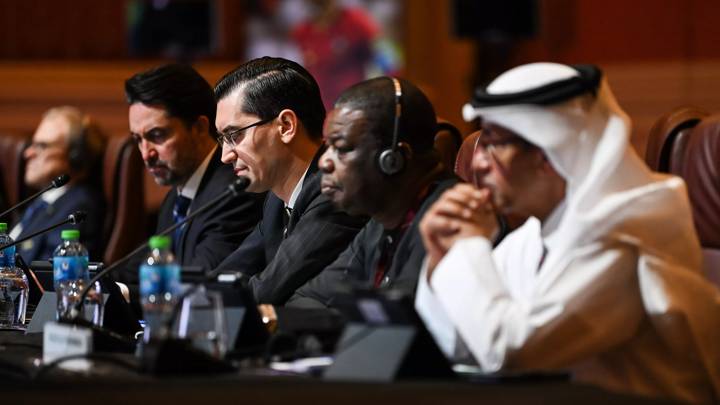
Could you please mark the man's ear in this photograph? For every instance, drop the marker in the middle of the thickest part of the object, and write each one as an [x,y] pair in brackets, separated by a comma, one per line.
[546,166]
[201,125]
[288,125]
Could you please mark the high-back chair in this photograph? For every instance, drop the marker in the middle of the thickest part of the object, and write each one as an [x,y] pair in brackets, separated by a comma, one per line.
[124,227]
[12,169]
[667,137]
[463,160]
[700,168]
[447,142]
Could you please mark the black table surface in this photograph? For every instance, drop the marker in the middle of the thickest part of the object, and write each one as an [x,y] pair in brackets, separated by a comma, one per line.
[108,383]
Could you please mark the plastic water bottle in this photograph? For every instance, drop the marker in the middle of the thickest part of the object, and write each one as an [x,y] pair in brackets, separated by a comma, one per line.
[159,288]
[13,286]
[70,275]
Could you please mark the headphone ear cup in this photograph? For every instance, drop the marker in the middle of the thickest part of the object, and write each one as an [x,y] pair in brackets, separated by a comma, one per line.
[391,161]
[75,156]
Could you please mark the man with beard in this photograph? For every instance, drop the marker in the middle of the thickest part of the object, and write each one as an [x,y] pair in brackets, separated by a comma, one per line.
[172,120]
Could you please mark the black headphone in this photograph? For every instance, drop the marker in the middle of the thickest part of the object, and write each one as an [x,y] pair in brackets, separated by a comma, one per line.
[78,149]
[391,160]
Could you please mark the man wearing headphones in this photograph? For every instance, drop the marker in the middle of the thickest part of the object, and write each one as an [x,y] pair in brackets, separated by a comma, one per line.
[270,117]
[65,142]
[380,162]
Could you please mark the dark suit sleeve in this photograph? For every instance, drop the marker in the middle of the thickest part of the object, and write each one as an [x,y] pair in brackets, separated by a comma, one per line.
[321,234]
[223,228]
[91,229]
[337,277]
[250,255]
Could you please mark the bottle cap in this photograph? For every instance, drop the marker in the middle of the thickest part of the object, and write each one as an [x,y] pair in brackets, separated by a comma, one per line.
[159,242]
[3,226]
[70,234]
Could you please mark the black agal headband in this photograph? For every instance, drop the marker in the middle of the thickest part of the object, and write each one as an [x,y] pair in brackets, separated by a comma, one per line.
[551,93]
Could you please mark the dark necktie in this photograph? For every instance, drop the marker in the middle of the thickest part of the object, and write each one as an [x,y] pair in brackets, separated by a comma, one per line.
[180,209]
[286,220]
[31,213]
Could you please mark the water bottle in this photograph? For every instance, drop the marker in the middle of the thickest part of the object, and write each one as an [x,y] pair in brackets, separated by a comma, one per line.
[70,275]
[159,288]
[13,286]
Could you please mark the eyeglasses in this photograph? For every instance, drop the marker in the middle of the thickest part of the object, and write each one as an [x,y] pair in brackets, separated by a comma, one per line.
[43,146]
[490,145]
[231,137]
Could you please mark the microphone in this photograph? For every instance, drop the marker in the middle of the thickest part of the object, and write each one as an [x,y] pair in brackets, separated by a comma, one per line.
[75,218]
[238,186]
[58,182]
[231,191]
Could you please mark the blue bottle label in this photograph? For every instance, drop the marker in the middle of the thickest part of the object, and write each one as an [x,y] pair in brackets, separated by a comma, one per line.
[7,257]
[159,279]
[70,268]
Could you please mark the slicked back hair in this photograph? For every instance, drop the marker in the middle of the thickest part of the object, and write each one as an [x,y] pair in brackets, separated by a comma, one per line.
[273,84]
[177,88]
[376,99]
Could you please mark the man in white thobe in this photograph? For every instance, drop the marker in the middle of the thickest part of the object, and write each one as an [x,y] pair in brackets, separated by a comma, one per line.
[603,279]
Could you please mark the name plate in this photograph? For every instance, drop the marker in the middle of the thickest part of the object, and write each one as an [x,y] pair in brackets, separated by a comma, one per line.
[60,340]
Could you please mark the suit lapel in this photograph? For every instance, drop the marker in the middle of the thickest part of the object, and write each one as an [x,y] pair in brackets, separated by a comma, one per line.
[310,190]
[199,200]
[32,247]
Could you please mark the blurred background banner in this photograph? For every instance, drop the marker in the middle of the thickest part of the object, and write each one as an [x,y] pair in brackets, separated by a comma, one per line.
[79,52]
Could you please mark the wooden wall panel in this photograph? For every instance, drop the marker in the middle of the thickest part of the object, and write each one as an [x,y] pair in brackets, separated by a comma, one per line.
[657,54]
[437,62]
[41,29]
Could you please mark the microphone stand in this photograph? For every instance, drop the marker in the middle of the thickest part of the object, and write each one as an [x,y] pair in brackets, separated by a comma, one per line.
[232,190]
[73,218]
[58,182]
[109,340]
[165,358]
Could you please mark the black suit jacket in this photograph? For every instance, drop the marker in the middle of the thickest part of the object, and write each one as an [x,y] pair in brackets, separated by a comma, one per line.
[356,266]
[214,234]
[77,197]
[317,232]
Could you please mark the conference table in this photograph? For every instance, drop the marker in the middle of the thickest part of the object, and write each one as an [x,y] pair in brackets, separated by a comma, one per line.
[24,379]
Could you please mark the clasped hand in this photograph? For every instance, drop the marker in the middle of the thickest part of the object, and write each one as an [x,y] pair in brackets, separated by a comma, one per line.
[461,212]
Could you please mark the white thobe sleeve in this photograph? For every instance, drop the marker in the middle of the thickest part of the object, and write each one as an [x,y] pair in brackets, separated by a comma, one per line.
[433,315]
[582,307]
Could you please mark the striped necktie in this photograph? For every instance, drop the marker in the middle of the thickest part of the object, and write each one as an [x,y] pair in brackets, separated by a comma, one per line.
[180,209]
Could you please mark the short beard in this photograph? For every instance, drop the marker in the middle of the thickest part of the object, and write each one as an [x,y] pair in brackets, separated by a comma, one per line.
[171,180]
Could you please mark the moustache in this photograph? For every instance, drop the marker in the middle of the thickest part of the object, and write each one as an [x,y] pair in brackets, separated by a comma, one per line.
[157,164]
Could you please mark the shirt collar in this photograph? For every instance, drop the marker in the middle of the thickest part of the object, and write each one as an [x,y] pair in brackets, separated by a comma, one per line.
[296,191]
[190,188]
[551,224]
[52,195]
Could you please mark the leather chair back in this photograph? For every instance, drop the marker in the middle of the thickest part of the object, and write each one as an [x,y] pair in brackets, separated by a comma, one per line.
[711,265]
[12,169]
[447,142]
[463,160]
[124,197]
[667,138]
[700,168]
